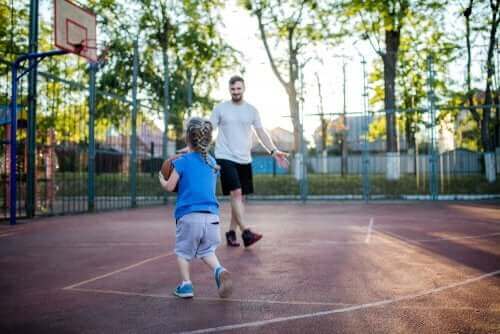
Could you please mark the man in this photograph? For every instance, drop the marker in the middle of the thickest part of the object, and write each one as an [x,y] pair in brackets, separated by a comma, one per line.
[234,120]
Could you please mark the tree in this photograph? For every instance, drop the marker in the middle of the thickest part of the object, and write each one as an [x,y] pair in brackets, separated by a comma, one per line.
[422,37]
[376,21]
[291,27]
[185,34]
[488,26]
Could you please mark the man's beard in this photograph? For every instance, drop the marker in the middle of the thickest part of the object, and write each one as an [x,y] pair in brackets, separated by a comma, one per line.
[237,98]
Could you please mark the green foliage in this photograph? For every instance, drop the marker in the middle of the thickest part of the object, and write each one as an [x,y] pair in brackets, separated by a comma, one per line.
[14,28]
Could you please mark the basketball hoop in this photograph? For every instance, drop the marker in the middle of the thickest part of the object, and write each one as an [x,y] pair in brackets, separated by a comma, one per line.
[75,29]
[86,47]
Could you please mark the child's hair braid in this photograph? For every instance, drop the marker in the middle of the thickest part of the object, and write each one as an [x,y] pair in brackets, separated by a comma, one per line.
[199,135]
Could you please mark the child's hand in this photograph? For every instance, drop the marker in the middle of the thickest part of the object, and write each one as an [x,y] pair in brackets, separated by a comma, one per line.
[162,180]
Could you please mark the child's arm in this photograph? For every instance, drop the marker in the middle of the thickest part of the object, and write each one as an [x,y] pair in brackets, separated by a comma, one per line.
[171,183]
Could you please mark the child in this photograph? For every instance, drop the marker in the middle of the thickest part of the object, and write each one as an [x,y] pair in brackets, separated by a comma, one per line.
[197,210]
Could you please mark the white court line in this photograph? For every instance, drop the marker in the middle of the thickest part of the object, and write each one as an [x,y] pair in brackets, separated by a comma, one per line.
[345,309]
[438,239]
[369,233]
[260,301]
[117,271]
[397,236]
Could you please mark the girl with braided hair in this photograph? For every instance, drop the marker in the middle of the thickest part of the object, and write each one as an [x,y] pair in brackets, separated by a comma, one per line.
[197,210]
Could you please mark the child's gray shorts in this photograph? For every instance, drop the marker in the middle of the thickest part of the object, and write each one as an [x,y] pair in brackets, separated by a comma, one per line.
[197,235]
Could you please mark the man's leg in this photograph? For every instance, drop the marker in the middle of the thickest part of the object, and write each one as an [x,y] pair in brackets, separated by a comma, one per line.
[236,217]
[237,210]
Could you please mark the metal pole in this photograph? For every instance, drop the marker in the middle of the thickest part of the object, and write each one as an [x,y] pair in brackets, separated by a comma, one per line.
[303,170]
[432,158]
[91,149]
[32,98]
[13,121]
[133,138]
[189,93]
[365,156]
[343,163]
[13,146]
[166,107]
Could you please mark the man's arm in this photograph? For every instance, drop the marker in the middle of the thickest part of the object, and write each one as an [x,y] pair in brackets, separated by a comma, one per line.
[268,144]
[265,140]
[215,118]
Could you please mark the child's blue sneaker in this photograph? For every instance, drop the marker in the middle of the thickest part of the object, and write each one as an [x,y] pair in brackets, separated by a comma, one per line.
[184,290]
[224,282]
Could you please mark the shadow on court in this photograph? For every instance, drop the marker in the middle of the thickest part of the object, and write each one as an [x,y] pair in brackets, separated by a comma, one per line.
[320,268]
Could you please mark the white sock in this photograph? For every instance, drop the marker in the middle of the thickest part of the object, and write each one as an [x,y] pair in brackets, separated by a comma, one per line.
[185,282]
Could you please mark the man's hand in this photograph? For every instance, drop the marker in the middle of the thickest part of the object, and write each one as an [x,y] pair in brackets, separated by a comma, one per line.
[281,158]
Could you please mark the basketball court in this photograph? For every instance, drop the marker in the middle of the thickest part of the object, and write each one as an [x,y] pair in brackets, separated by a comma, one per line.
[320,268]
[379,267]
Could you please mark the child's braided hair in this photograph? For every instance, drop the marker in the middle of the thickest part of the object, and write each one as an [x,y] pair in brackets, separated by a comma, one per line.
[199,136]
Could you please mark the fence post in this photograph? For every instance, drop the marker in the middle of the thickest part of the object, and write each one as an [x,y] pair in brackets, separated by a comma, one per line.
[166,107]
[133,137]
[433,185]
[91,149]
[365,153]
[32,98]
[303,166]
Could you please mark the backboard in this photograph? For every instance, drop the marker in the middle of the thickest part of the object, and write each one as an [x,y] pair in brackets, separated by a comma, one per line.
[75,29]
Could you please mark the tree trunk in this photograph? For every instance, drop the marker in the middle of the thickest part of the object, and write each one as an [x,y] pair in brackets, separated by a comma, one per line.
[485,123]
[496,100]
[294,110]
[392,39]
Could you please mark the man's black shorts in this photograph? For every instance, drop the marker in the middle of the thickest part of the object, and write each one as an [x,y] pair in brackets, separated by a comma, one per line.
[235,176]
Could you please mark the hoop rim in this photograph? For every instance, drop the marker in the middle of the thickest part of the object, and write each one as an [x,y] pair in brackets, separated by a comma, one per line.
[80,48]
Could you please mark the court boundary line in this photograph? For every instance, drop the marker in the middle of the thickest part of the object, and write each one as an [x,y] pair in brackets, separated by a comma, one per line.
[76,287]
[437,239]
[69,287]
[383,233]
[210,299]
[369,233]
[383,302]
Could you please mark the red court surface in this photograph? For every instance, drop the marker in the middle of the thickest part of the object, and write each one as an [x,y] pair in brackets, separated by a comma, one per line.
[320,268]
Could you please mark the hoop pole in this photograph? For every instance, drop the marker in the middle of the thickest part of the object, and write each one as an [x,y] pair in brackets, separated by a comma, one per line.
[32,105]
[37,57]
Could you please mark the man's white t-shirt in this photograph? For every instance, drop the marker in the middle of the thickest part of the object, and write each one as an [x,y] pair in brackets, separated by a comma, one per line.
[235,121]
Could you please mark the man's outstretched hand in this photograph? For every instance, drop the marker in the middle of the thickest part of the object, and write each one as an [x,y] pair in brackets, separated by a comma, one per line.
[281,158]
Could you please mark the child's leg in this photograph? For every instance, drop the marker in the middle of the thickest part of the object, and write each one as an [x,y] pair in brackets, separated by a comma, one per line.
[212,261]
[222,276]
[183,268]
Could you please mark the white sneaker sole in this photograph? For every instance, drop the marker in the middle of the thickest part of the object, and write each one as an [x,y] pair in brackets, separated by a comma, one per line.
[183,295]
[226,285]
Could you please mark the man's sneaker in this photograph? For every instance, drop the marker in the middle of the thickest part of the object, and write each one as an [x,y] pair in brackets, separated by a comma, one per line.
[231,239]
[184,290]
[249,237]
[224,282]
